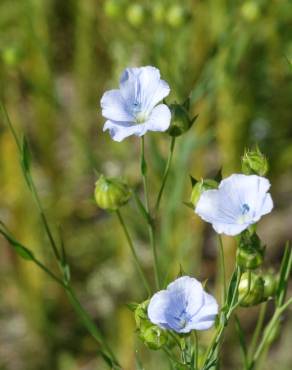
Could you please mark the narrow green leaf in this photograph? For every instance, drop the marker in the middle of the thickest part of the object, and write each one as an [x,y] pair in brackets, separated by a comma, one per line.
[20,249]
[189,205]
[285,271]
[231,287]
[132,306]
[193,120]
[218,177]
[193,180]
[25,155]
[241,338]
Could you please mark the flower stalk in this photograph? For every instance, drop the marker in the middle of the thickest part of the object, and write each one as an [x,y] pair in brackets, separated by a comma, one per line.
[166,172]
[143,166]
[134,254]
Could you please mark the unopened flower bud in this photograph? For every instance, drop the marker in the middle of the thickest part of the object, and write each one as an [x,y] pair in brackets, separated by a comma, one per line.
[180,120]
[112,8]
[153,336]
[11,55]
[135,14]
[270,284]
[250,10]
[250,289]
[176,16]
[150,334]
[250,252]
[111,193]
[254,163]
[141,313]
[249,258]
[200,187]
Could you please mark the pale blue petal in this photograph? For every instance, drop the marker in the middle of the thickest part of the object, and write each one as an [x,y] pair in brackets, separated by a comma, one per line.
[212,207]
[158,307]
[120,130]
[229,229]
[159,119]
[264,207]
[143,88]
[205,318]
[114,107]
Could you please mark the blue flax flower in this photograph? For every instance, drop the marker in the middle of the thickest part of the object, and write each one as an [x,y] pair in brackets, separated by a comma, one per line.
[239,202]
[132,109]
[183,306]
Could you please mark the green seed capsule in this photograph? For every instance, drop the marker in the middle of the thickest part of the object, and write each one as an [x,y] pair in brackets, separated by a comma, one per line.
[249,258]
[254,163]
[141,313]
[270,284]
[250,289]
[153,337]
[180,121]
[176,16]
[135,14]
[111,193]
[200,187]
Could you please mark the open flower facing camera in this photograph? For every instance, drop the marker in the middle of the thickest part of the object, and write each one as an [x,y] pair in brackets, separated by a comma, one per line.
[239,202]
[132,109]
[184,306]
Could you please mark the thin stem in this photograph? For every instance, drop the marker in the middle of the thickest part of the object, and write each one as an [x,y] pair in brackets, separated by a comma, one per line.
[43,217]
[166,172]
[222,269]
[89,324]
[134,254]
[48,272]
[150,224]
[265,340]
[258,329]
[31,185]
[143,166]
[196,350]
[224,317]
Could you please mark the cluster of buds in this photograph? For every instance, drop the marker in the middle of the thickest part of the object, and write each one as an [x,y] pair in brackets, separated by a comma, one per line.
[151,335]
[254,163]
[198,187]
[250,252]
[111,193]
[255,288]
[136,13]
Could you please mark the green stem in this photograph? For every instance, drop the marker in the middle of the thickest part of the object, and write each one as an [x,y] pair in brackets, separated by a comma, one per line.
[223,322]
[48,272]
[258,329]
[134,254]
[166,172]
[264,344]
[150,225]
[196,350]
[87,321]
[31,185]
[222,269]
[90,326]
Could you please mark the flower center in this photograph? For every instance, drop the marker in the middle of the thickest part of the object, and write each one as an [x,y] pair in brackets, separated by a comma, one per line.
[245,209]
[183,319]
[243,218]
[140,117]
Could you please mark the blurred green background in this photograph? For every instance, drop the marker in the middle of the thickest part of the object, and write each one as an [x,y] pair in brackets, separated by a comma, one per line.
[56,60]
